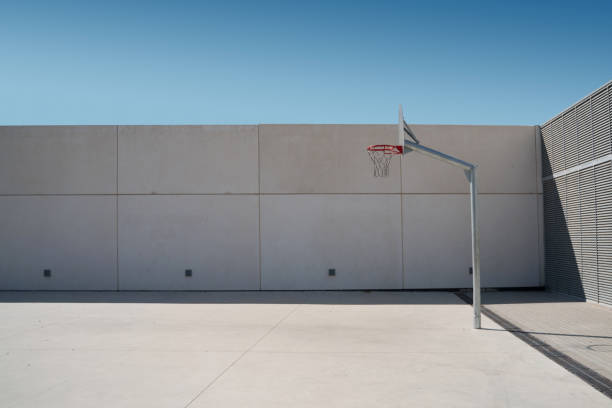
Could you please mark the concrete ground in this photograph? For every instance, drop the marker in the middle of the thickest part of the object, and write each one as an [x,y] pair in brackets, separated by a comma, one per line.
[268,349]
[580,330]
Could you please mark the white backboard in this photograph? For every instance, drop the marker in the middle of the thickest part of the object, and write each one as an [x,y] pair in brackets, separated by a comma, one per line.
[400,128]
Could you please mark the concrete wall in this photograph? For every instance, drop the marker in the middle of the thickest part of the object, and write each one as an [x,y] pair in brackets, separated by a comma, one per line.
[262,207]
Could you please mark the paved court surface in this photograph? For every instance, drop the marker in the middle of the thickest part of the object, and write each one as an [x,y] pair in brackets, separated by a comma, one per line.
[581,330]
[274,349]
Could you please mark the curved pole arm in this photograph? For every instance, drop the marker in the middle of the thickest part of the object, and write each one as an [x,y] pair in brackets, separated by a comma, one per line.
[434,154]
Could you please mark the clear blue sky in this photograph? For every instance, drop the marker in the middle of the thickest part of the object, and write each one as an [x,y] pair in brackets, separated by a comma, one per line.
[121,62]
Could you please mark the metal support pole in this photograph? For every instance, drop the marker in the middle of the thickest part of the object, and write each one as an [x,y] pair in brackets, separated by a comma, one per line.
[475,249]
[470,172]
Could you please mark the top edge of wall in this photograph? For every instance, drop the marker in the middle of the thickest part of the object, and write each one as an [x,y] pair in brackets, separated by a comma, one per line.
[572,106]
[265,124]
[388,124]
[127,125]
[56,126]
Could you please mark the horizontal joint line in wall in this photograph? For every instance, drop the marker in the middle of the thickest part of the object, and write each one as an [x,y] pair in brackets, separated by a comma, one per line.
[242,194]
[579,167]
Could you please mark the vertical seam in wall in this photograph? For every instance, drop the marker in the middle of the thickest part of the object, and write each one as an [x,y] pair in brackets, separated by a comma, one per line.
[117,206]
[539,205]
[259,204]
[401,195]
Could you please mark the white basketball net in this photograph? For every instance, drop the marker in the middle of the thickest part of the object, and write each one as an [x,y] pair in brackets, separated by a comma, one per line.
[381,160]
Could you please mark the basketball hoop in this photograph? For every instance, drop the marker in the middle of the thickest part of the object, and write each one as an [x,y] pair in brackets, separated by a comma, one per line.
[381,156]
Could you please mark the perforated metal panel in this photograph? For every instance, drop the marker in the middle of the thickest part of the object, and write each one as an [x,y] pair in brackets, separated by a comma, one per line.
[584,133]
[601,123]
[572,155]
[603,183]
[577,171]
[554,232]
[547,151]
[588,234]
[573,251]
[558,145]
[549,236]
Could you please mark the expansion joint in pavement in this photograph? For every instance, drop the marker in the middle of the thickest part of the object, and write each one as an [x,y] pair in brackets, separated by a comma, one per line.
[233,363]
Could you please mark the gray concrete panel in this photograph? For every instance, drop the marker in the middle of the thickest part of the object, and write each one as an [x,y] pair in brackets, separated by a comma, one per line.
[509,240]
[73,236]
[437,241]
[302,236]
[314,159]
[505,155]
[58,159]
[214,236]
[188,159]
